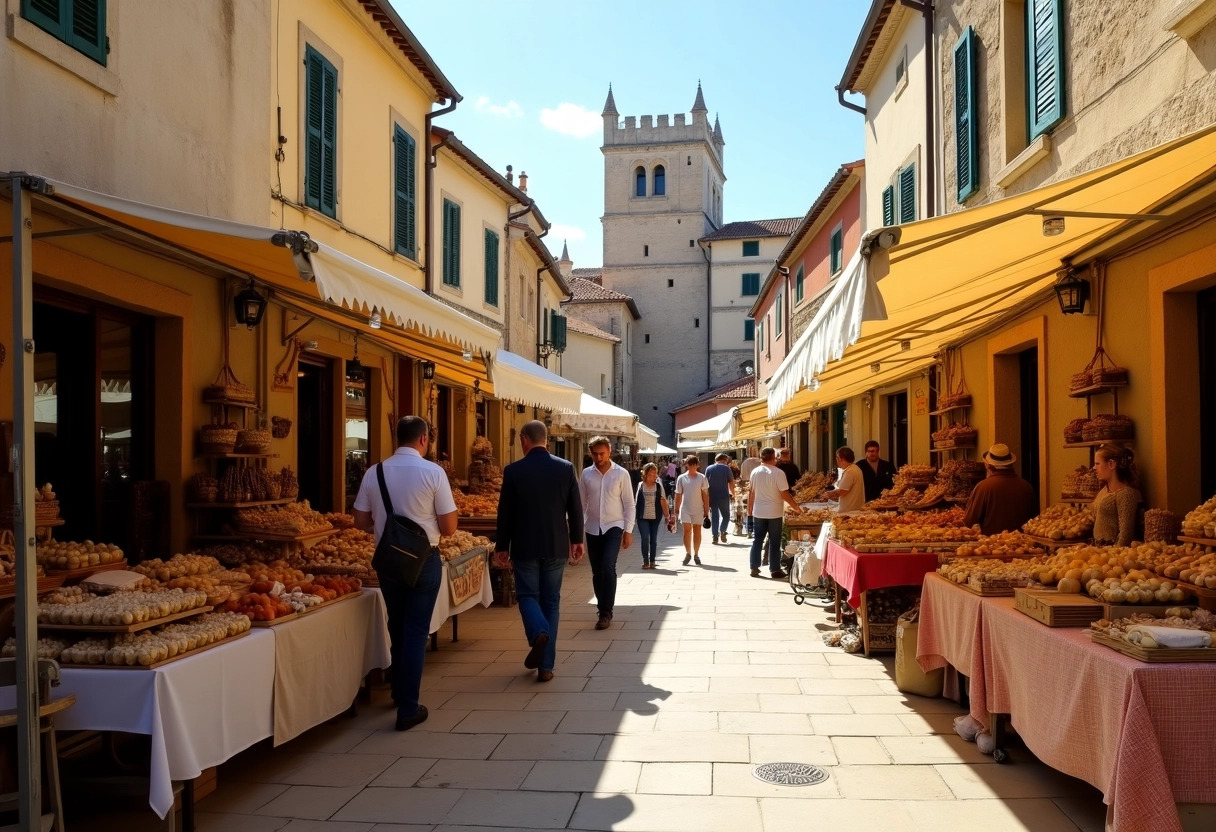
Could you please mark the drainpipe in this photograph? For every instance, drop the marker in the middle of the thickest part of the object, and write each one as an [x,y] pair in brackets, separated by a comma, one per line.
[785,311]
[540,285]
[432,159]
[506,288]
[926,10]
[709,321]
[848,104]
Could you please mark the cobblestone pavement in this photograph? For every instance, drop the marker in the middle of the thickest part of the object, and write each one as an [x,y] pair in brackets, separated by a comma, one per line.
[654,724]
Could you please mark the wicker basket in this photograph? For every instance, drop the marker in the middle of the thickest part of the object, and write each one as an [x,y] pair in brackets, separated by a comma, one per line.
[46,510]
[227,387]
[1161,525]
[1080,381]
[279,427]
[217,439]
[1104,432]
[253,441]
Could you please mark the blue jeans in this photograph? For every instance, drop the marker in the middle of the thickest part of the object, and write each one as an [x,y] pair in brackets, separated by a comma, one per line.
[648,537]
[409,624]
[538,588]
[602,550]
[719,513]
[772,528]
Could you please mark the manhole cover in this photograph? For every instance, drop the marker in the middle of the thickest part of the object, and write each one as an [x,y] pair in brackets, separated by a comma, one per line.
[790,774]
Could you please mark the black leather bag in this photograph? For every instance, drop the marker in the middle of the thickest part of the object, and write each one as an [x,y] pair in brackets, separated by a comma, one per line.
[705,523]
[404,547]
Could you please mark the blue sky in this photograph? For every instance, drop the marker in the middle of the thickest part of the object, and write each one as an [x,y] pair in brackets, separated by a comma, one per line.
[534,75]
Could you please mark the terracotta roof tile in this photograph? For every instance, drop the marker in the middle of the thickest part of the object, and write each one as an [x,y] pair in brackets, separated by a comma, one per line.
[581,326]
[743,388]
[746,229]
[595,274]
[583,289]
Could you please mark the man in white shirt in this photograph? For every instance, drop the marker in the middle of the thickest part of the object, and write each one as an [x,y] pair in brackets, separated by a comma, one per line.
[419,490]
[850,488]
[609,513]
[769,491]
[745,473]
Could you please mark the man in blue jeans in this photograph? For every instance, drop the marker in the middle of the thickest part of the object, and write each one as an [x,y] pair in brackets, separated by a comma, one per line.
[721,492]
[765,500]
[609,514]
[540,527]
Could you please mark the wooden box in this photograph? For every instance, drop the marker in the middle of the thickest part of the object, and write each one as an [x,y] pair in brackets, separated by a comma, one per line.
[1054,609]
[1117,611]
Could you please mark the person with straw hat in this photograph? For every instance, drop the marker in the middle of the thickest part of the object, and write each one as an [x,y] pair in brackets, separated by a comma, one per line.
[1003,501]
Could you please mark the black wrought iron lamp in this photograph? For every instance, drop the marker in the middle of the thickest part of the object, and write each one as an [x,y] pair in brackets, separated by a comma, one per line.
[249,306]
[1072,292]
[428,369]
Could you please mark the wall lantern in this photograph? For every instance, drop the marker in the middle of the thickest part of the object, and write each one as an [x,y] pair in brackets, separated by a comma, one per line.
[519,408]
[428,369]
[249,306]
[1072,292]
[1053,226]
[354,369]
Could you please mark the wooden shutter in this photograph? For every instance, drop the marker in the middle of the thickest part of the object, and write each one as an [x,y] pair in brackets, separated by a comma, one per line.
[837,250]
[405,228]
[1045,65]
[779,315]
[907,194]
[321,117]
[888,206]
[966,130]
[557,331]
[329,142]
[491,268]
[749,330]
[48,15]
[799,283]
[88,28]
[451,243]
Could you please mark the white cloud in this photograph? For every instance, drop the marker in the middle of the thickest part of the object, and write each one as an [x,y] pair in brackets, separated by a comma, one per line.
[571,233]
[509,110]
[572,120]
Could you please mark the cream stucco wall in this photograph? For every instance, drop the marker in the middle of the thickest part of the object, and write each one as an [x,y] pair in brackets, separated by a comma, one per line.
[588,362]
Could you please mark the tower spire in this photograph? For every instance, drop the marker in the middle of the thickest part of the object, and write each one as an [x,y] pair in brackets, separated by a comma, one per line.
[565,252]
[698,106]
[718,130]
[610,104]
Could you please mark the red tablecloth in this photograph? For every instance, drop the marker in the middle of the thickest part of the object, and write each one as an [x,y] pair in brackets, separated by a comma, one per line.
[858,572]
[950,633]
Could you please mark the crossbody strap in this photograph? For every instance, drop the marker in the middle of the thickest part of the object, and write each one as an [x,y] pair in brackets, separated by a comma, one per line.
[410,523]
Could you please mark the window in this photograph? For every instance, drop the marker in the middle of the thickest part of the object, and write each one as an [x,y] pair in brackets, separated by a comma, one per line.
[660,181]
[531,306]
[405,223]
[888,205]
[81,24]
[451,244]
[321,123]
[645,251]
[647,337]
[491,267]
[902,202]
[749,330]
[603,385]
[901,67]
[1044,65]
[966,131]
[696,323]
[751,283]
[799,282]
[523,310]
[777,331]
[751,248]
[689,160]
[836,256]
[670,283]
[639,185]
[557,330]
[691,243]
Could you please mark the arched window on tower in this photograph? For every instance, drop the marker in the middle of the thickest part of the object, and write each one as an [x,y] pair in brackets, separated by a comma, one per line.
[639,188]
[660,181]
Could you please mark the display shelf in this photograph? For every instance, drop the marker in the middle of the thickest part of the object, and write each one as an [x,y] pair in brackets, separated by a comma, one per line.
[270,537]
[1077,501]
[78,575]
[46,583]
[248,504]
[1095,390]
[49,524]
[125,628]
[964,447]
[239,456]
[1096,443]
[161,663]
[1052,544]
[220,401]
[1210,542]
[946,410]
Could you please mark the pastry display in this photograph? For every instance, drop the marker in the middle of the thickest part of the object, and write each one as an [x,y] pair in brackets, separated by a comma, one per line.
[291,520]
[177,566]
[1201,520]
[455,545]
[810,487]
[1062,522]
[66,555]
[120,607]
[1081,483]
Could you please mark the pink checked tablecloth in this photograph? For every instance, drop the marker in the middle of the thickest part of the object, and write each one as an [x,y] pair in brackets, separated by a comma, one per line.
[950,634]
[858,572]
[1139,732]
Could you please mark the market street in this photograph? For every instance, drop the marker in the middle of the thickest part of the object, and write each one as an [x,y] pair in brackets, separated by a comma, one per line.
[654,724]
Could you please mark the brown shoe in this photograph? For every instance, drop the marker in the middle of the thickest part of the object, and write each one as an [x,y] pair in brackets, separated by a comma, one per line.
[544,675]
[604,621]
[532,660]
[755,573]
[779,575]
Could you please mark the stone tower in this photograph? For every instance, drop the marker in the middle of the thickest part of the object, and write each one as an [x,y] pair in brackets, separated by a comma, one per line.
[663,181]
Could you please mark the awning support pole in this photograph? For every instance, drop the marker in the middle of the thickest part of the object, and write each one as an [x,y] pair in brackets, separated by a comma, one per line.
[29,768]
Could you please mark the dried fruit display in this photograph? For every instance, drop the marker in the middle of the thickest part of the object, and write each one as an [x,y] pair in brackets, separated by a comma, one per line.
[122,607]
[1062,522]
[1201,520]
[457,544]
[810,487]
[177,566]
[291,519]
[1003,545]
[475,505]
[70,555]
[1081,483]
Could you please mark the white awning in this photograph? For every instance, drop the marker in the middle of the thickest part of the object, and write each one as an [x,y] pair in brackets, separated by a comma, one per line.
[707,429]
[648,439]
[836,326]
[697,445]
[249,249]
[519,380]
[597,416]
[659,449]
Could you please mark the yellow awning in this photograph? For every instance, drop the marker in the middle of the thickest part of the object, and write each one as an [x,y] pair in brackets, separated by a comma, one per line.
[949,277]
[750,422]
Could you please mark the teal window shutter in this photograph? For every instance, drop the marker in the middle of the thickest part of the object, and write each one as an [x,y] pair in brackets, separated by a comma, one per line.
[907,194]
[1044,65]
[751,283]
[888,205]
[321,121]
[837,250]
[799,282]
[779,315]
[749,330]
[557,331]
[491,268]
[81,24]
[451,243]
[966,129]
[751,248]
[405,217]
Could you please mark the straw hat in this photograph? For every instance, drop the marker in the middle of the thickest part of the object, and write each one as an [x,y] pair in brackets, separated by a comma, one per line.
[999,456]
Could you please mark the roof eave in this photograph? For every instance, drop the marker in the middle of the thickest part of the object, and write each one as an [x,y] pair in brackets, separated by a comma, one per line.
[866,38]
[383,13]
[461,150]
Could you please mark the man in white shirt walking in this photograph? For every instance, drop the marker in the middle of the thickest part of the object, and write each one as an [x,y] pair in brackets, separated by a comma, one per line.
[609,514]
[769,491]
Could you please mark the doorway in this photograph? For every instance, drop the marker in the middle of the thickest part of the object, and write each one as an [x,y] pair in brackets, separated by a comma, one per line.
[1206,301]
[315,438]
[897,429]
[840,428]
[1028,380]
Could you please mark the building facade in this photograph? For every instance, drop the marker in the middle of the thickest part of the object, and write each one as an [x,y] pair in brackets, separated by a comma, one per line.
[607,311]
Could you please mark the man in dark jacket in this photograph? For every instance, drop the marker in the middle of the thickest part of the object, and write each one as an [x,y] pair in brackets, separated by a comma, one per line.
[879,474]
[540,524]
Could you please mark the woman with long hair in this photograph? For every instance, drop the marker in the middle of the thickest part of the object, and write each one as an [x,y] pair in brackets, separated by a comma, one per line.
[651,502]
[1117,506]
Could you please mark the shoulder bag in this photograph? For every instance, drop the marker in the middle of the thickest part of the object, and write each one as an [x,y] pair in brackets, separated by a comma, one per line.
[403,547]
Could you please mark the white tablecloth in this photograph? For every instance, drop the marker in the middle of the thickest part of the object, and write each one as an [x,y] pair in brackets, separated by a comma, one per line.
[443,604]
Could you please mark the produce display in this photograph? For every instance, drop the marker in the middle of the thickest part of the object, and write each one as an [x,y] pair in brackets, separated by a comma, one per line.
[453,546]
[1002,545]
[120,607]
[905,530]
[269,600]
[988,574]
[1081,483]
[485,477]
[151,646]
[291,519]
[65,555]
[1062,522]
[475,505]
[178,566]
[1180,627]
[349,552]
[1201,521]
[810,487]
[955,434]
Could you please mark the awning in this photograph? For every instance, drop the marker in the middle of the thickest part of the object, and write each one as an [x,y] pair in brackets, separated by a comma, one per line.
[648,439]
[697,445]
[707,429]
[950,277]
[750,421]
[249,249]
[659,449]
[835,326]
[519,380]
[597,416]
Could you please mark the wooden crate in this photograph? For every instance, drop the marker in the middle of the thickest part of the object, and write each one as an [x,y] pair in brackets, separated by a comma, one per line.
[1156,654]
[1055,609]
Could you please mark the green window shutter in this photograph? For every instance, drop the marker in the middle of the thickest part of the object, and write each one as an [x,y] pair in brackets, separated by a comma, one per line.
[87,32]
[966,130]
[321,122]
[907,194]
[1044,65]
[837,252]
[751,283]
[888,206]
[451,243]
[779,315]
[749,330]
[557,331]
[799,282]
[405,174]
[751,248]
[491,268]
[49,15]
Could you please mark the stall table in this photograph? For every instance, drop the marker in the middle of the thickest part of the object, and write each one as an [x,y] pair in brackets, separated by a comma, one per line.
[857,573]
[445,609]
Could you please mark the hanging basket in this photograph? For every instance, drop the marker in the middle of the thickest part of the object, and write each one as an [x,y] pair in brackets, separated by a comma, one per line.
[1101,369]
[253,441]
[227,387]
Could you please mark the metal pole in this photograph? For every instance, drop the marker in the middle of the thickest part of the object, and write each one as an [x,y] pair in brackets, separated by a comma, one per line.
[29,769]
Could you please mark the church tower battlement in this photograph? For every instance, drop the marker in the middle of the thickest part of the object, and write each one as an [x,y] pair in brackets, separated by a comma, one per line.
[663,129]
